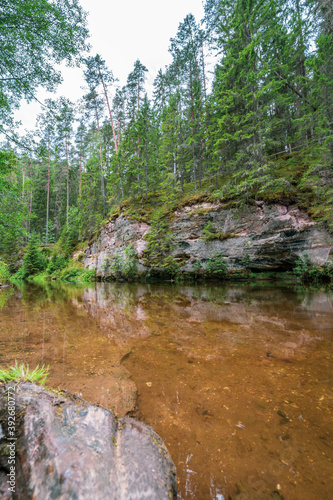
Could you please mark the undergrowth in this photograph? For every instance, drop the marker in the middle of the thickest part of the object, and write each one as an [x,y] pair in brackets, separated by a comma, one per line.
[307,272]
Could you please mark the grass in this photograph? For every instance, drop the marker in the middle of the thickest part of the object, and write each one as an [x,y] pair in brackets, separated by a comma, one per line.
[22,373]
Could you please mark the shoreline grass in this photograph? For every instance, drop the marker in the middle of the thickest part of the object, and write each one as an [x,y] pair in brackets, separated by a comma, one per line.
[20,373]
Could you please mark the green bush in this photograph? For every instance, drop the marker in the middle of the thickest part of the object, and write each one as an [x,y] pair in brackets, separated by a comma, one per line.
[197,267]
[77,274]
[306,271]
[246,260]
[160,245]
[209,232]
[57,263]
[216,267]
[33,262]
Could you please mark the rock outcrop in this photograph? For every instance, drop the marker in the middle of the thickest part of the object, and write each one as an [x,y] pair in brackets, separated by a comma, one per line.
[261,238]
[68,449]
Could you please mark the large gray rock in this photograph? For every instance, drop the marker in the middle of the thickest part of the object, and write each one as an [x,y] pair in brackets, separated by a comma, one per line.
[261,237]
[273,237]
[68,449]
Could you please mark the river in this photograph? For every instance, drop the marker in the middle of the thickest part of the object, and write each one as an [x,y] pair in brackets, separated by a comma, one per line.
[237,380]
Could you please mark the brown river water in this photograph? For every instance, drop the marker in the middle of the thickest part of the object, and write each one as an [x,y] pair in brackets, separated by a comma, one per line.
[237,380]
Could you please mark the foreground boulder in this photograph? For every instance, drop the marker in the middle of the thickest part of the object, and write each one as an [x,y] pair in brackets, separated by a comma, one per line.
[69,449]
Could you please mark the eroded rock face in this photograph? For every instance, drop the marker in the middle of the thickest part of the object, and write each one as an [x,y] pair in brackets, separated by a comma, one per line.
[268,237]
[114,238]
[68,449]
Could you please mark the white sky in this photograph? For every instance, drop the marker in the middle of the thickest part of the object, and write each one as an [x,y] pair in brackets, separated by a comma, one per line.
[121,32]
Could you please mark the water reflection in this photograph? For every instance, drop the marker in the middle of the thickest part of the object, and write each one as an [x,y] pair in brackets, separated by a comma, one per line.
[237,380]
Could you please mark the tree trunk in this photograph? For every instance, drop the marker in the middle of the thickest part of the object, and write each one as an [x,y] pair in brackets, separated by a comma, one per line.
[67,179]
[80,173]
[30,209]
[101,159]
[23,181]
[146,161]
[108,104]
[192,116]
[48,192]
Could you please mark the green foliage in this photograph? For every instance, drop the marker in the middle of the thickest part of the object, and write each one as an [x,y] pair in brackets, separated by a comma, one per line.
[4,273]
[49,237]
[210,233]
[123,265]
[75,272]
[5,294]
[246,260]
[216,267]
[131,259]
[33,261]
[37,35]
[18,276]
[22,373]
[70,234]
[56,263]
[160,243]
[308,272]
[197,268]
[263,131]
[12,210]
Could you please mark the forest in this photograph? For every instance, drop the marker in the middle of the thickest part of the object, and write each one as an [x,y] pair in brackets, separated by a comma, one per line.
[259,127]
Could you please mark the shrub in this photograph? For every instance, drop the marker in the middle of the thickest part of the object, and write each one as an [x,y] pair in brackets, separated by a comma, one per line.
[306,271]
[77,274]
[209,232]
[197,267]
[33,261]
[216,266]
[57,263]
[160,245]
[246,260]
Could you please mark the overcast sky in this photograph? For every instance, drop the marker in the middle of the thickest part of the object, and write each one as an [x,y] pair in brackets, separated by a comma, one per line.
[121,32]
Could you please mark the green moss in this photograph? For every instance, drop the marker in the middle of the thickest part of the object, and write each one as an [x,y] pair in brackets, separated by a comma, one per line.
[194,199]
[200,211]
[210,233]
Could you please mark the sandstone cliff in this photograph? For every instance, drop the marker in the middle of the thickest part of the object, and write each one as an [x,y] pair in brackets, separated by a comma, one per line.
[260,237]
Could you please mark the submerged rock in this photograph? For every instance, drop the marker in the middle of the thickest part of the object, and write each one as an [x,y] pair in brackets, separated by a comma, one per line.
[69,449]
[113,389]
